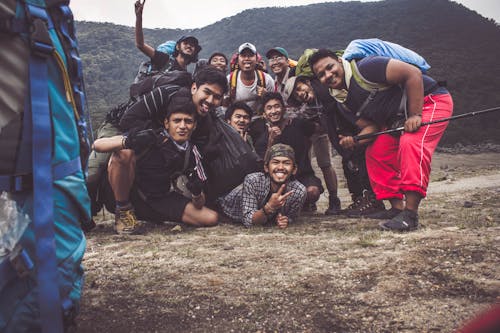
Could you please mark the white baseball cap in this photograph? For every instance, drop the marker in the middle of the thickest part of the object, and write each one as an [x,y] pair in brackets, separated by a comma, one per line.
[247,45]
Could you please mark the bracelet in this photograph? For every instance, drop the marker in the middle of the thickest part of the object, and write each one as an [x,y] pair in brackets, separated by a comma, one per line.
[271,212]
[124,138]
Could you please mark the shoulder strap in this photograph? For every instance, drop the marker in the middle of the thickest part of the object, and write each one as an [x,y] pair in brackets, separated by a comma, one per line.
[43,210]
[261,78]
[186,157]
[233,79]
[363,82]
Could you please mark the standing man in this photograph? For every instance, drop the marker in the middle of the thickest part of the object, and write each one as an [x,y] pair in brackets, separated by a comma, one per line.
[299,94]
[278,63]
[270,196]
[275,128]
[398,167]
[185,50]
[239,115]
[247,83]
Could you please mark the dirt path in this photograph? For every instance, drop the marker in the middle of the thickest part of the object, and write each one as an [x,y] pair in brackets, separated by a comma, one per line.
[320,275]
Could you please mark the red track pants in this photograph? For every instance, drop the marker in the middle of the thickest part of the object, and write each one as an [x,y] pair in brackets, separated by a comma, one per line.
[399,165]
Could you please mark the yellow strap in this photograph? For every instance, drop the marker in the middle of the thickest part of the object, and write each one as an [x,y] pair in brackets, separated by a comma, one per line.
[363,82]
[67,83]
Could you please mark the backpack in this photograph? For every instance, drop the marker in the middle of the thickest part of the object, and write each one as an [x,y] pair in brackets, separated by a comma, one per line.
[235,160]
[302,68]
[361,48]
[167,50]
[233,80]
[43,152]
[175,77]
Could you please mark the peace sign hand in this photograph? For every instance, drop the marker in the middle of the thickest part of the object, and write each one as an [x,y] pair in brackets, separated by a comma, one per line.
[278,199]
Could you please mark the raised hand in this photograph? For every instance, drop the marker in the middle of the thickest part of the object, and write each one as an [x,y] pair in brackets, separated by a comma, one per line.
[139,7]
[278,199]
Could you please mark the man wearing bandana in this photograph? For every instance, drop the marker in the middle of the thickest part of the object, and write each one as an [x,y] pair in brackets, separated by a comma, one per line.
[269,197]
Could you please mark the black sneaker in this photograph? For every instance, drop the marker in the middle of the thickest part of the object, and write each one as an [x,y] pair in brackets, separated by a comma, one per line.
[407,220]
[333,206]
[385,214]
[364,205]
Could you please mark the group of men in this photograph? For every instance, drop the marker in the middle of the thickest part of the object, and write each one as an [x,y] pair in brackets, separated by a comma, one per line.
[165,140]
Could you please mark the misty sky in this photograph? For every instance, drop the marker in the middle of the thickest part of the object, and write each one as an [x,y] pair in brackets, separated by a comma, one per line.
[197,14]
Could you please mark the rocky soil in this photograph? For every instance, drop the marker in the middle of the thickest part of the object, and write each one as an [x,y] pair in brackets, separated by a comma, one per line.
[323,274]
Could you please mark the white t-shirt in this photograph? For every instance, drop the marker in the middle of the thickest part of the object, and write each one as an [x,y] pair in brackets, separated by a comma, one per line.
[248,94]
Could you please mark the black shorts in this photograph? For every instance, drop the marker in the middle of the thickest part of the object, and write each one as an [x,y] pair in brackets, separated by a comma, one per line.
[167,208]
[311,180]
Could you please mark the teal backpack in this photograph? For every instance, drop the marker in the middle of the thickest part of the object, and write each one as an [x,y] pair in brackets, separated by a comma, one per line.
[43,151]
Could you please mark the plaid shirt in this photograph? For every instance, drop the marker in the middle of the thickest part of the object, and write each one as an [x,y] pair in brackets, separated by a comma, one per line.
[242,202]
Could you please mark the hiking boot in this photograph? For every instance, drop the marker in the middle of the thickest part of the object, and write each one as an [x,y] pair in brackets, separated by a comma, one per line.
[385,214]
[333,206]
[126,223]
[407,220]
[364,205]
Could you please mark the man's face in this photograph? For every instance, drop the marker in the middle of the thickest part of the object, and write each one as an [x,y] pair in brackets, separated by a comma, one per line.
[180,126]
[330,72]
[187,47]
[219,62]
[240,120]
[280,169]
[206,97]
[278,63]
[273,111]
[303,92]
[247,60]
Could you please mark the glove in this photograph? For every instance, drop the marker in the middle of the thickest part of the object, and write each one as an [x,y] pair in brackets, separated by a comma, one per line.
[140,140]
[195,186]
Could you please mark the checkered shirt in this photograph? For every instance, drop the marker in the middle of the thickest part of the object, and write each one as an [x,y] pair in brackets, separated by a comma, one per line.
[243,201]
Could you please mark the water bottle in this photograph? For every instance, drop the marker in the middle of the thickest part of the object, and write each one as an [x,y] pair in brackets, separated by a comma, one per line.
[13,223]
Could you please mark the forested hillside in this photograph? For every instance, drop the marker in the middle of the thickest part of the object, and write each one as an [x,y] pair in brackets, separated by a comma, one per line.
[462,47]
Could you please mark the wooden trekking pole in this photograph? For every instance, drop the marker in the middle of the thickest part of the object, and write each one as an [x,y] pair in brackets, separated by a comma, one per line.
[400,129]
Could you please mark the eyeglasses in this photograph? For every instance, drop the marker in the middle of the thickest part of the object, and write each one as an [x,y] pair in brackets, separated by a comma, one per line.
[276,59]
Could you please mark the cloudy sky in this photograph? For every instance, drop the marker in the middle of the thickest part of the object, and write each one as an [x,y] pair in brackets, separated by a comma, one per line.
[199,13]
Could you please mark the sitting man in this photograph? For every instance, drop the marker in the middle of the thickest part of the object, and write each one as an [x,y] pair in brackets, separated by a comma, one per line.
[269,197]
[239,115]
[206,93]
[160,159]
[275,128]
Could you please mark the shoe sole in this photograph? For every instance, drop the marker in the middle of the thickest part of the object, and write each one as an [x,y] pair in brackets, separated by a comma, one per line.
[384,228]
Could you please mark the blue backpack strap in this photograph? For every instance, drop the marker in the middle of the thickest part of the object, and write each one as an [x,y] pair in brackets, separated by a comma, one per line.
[67,29]
[43,208]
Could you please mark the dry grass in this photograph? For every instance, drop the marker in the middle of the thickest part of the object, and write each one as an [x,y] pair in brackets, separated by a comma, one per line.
[320,275]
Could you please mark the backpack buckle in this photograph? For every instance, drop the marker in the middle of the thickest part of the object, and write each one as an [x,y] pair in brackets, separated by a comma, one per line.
[41,44]
[21,262]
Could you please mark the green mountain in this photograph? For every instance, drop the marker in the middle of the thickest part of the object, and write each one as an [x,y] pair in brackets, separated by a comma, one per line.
[462,47]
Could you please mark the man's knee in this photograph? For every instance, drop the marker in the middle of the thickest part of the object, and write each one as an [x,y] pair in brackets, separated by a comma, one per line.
[124,157]
[203,217]
[313,194]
